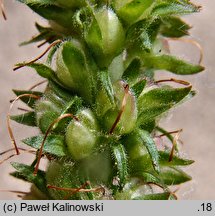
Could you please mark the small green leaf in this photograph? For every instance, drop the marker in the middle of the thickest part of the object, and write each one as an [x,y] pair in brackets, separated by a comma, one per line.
[43,70]
[25,119]
[41,28]
[174,27]
[25,172]
[39,37]
[120,162]
[131,11]
[173,176]
[138,87]
[62,16]
[46,33]
[28,100]
[157,101]
[141,167]
[39,2]
[148,177]
[176,161]
[151,147]
[155,196]
[174,7]
[141,35]
[172,64]
[54,144]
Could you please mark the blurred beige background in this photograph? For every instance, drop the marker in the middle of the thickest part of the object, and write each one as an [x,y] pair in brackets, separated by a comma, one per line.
[196,117]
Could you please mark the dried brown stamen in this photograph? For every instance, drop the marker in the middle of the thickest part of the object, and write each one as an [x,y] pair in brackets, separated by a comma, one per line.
[191,41]
[124,102]
[156,184]
[7,158]
[23,109]
[77,190]
[171,132]
[174,80]
[87,183]
[162,187]
[46,41]
[174,195]
[40,56]
[174,144]
[22,149]
[8,118]
[37,84]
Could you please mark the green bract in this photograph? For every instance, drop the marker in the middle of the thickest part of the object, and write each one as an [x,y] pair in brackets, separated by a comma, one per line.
[99,114]
[81,135]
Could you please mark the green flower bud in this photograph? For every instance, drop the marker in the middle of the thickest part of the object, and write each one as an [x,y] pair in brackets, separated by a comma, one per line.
[80,135]
[46,113]
[55,101]
[72,69]
[49,109]
[129,115]
[105,36]
[64,176]
[86,117]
